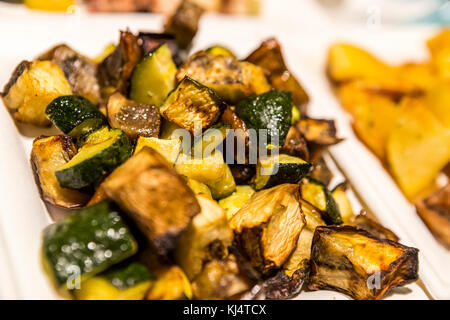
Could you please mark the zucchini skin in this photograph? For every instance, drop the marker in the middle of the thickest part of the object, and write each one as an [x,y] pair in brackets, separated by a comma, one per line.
[122,282]
[288,173]
[331,215]
[84,236]
[91,170]
[75,115]
[129,276]
[271,110]
[153,78]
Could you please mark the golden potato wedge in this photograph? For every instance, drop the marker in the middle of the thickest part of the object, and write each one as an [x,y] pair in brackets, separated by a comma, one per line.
[437,101]
[439,47]
[374,115]
[418,147]
[348,62]
[32,86]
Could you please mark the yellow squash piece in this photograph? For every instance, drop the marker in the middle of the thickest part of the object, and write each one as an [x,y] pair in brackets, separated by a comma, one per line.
[198,187]
[234,202]
[171,284]
[207,170]
[168,148]
[98,288]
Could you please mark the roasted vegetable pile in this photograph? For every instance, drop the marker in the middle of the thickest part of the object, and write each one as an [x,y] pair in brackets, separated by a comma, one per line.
[402,114]
[176,205]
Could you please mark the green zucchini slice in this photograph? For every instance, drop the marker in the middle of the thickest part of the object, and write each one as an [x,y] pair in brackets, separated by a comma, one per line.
[271,111]
[224,186]
[198,187]
[210,170]
[75,115]
[85,243]
[191,102]
[153,77]
[278,169]
[130,282]
[343,202]
[210,140]
[317,194]
[102,152]
[207,170]
[234,202]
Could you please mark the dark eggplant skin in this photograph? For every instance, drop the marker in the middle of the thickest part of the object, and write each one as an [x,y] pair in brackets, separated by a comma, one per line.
[242,173]
[149,41]
[21,67]
[270,57]
[295,144]
[435,212]
[321,172]
[321,132]
[114,72]
[183,24]
[362,221]
[79,70]
[331,269]
[281,286]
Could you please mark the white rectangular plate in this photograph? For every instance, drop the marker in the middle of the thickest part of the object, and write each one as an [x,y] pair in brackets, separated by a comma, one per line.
[22,213]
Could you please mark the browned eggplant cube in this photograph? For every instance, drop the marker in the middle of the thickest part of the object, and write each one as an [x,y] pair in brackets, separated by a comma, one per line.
[351,261]
[154,196]
[267,227]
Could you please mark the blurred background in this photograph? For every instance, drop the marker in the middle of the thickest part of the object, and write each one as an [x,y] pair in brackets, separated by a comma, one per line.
[367,11]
